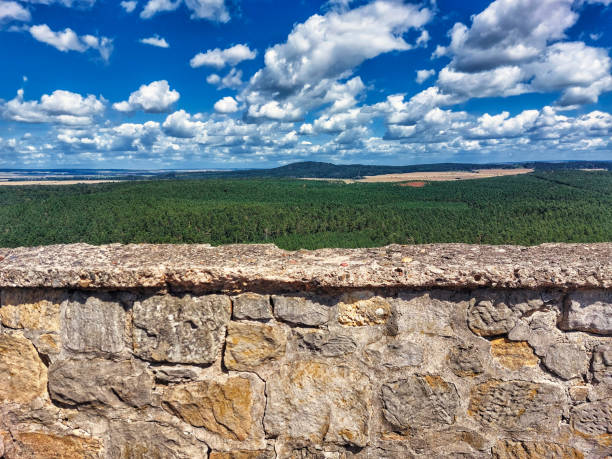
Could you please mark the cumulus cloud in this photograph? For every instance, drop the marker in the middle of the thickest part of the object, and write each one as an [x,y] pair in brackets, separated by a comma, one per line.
[214,10]
[67,3]
[423,75]
[156,40]
[129,6]
[226,105]
[67,40]
[219,58]
[13,11]
[156,97]
[61,107]
[233,80]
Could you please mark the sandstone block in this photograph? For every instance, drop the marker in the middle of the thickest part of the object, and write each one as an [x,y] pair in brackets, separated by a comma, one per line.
[242,455]
[593,420]
[394,353]
[314,402]
[23,375]
[300,311]
[187,329]
[100,381]
[420,401]
[602,364]
[363,308]
[39,445]
[328,344]
[513,355]
[93,323]
[517,405]
[222,408]
[252,306]
[249,345]
[566,360]
[590,311]
[31,309]
[508,449]
[149,440]
[464,360]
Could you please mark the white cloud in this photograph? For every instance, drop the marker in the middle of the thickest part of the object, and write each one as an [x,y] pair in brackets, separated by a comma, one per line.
[156,97]
[423,75]
[155,41]
[67,3]
[61,107]
[232,80]
[13,11]
[214,10]
[129,6]
[423,38]
[67,40]
[226,105]
[219,58]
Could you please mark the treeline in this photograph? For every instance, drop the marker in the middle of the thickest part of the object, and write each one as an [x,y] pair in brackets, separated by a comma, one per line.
[567,206]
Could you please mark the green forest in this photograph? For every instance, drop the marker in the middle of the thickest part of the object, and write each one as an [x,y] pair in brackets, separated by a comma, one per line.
[545,206]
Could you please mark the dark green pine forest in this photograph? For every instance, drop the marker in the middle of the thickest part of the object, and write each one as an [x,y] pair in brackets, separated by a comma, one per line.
[545,206]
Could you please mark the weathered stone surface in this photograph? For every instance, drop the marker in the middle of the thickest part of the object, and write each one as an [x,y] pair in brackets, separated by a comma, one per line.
[428,312]
[357,309]
[589,310]
[252,306]
[222,408]
[566,360]
[300,310]
[34,309]
[394,353]
[40,445]
[249,345]
[267,454]
[148,440]
[517,405]
[314,402]
[465,361]
[187,329]
[419,401]
[602,364]
[594,420]
[93,323]
[100,381]
[174,374]
[513,355]
[508,449]
[327,344]
[23,375]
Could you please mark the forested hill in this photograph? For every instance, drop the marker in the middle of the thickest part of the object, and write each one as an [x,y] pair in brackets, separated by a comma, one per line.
[354,171]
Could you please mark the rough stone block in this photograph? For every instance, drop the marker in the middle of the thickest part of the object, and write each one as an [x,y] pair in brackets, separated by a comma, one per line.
[187,329]
[590,311]
[420,401]
[42,445]
[93,323]
[224,408]
[602,364]
[508,449]
[251,306]
[268,454]
[464,360]
[314,402]
[33,309]
[513,355]
[100,382]
[250,345]
[23,376]
[357,309]
[327,344]
[566,360]
[300,310]
[593,420]
[394,353]
[517,405]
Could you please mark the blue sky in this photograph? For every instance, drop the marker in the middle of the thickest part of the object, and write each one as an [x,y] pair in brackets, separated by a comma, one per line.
[258,83]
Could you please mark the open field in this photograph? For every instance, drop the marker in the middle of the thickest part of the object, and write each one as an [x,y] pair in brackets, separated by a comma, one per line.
[563,206]
[444,176]
[52,182]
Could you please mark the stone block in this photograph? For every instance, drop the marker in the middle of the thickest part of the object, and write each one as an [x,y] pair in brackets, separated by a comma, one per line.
[224,408]
[100,382]
[300,310]
[327,344]
[314,403]
[508,449]
[33,309]
[93,324]
[41,445]
[517,405]
[566,360]
[23,376]
[590,311]
[251,306]
[419,401]
[513,355]
[593,420]
[602,364]
[250,345]
[267,454]
[465,361]
[393,353]
[180,329]
[358,309]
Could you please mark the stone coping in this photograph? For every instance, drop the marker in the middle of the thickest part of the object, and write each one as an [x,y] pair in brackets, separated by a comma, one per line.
[264,266]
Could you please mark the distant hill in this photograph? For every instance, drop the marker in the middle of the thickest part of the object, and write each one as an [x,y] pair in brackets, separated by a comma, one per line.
[355,171]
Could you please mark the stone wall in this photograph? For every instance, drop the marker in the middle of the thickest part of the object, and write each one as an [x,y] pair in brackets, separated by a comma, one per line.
[252,352]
